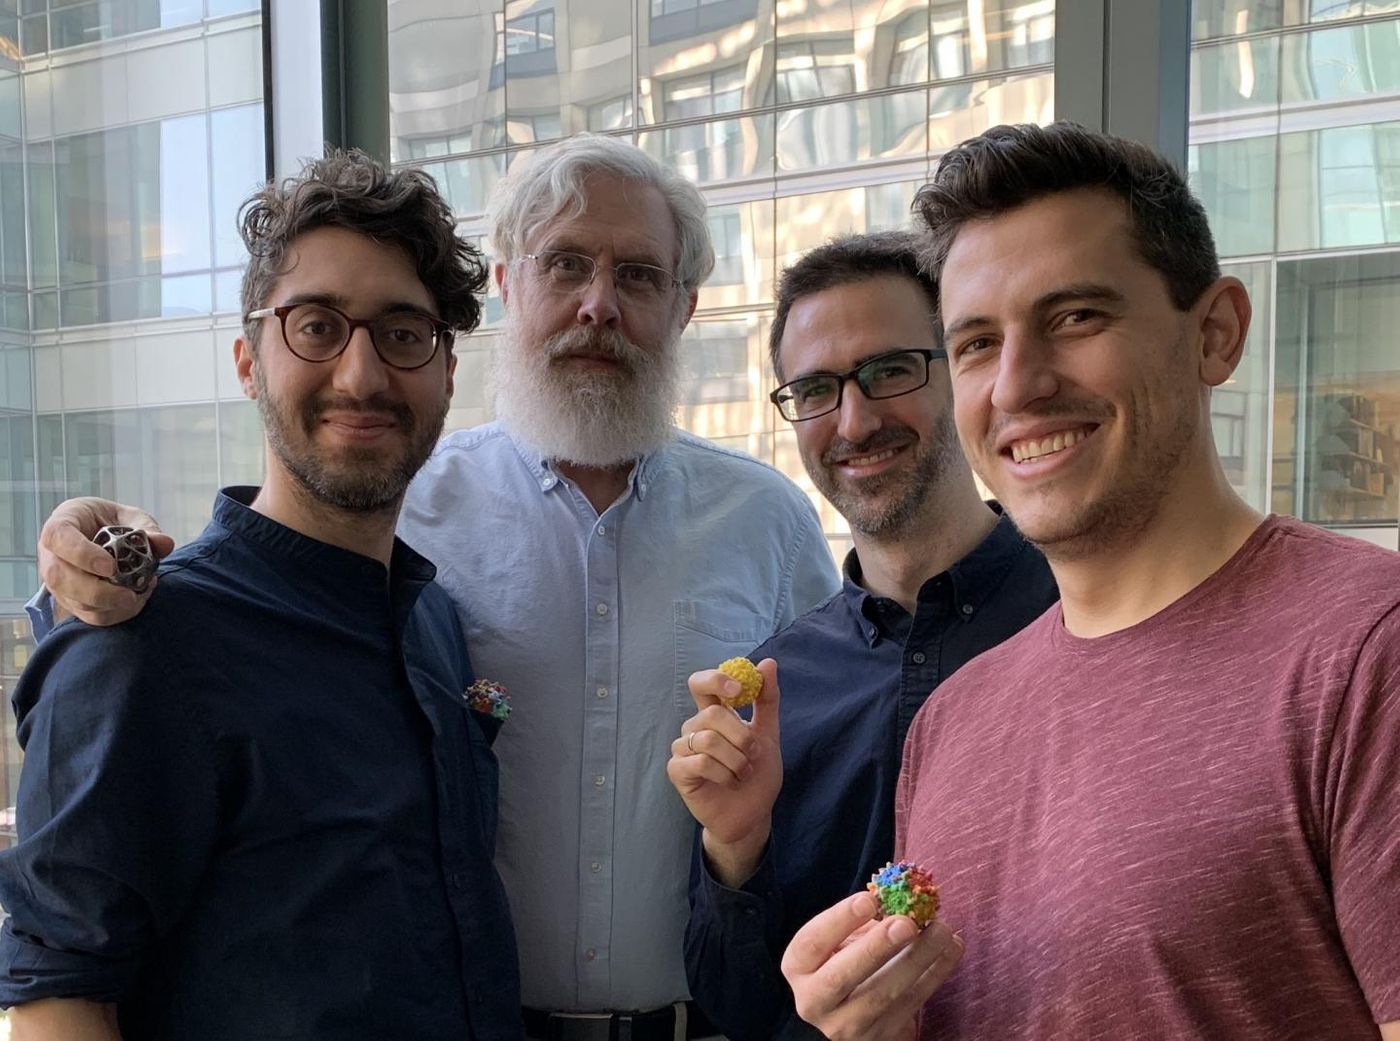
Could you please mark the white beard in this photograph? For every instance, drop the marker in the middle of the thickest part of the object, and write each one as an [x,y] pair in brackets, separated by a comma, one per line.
[589,419]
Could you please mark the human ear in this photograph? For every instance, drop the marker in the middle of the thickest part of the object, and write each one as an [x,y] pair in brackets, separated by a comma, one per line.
[1224,311]
[244,358]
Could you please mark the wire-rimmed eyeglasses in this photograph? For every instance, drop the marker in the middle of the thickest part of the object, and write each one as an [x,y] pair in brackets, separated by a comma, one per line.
[569,272]
[320,332]
[886,375]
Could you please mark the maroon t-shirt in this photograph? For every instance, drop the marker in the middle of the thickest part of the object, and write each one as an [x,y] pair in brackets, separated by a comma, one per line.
[1187,829]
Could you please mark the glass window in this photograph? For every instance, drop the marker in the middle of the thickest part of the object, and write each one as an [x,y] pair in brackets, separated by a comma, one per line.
[1235,182]
[1337,398]
[1239,410]
[238,149]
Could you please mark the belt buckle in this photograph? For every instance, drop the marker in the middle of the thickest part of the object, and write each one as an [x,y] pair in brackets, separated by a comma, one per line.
[580,1026]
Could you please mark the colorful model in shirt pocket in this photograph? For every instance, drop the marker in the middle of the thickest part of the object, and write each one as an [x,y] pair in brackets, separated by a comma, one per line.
[749,678]
[907,889]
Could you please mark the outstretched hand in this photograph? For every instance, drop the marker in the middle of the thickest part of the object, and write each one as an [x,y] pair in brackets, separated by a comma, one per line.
[858,979]
[75,570]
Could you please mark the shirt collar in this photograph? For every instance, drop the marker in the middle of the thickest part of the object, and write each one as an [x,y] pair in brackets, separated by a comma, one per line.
[972,580]
[233,511]
[547,478]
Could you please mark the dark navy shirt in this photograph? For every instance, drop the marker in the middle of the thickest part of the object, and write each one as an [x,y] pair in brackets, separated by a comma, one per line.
[262,808]
[853,673]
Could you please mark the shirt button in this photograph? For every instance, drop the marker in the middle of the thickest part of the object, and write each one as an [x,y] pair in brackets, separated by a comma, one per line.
[967,609]
[595,867]
[919,657]
[602,529]
[590,954]
[547,483]
[602,692]
[599,780]
[602,609]
[642,488]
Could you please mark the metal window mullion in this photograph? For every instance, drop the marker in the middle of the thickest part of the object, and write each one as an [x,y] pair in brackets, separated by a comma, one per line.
[1123,67]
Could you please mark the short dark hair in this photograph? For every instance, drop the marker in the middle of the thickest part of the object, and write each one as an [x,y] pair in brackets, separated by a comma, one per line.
[351,190]
[1009,166]
[843,261]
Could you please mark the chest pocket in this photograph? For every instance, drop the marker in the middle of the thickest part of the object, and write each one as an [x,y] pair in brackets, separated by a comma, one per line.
[707,632]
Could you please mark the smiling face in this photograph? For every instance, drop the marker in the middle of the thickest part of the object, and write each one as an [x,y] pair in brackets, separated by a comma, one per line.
[882,464]
[351,432]
[589,375]
[1079,387]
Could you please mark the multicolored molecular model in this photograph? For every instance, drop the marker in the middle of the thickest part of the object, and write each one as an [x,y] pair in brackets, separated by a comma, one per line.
[489,698]
[906,889]
[750,679]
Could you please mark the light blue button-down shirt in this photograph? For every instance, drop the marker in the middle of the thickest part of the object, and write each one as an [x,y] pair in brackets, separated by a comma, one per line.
[593,622]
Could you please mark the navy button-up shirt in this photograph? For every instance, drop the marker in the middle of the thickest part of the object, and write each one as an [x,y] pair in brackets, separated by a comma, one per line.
[262,808]
[854,672]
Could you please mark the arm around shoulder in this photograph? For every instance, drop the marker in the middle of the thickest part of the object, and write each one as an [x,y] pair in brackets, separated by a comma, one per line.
[117,813]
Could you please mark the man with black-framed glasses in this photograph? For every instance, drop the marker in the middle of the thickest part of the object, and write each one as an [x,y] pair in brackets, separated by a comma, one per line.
[266,807]
[794,819]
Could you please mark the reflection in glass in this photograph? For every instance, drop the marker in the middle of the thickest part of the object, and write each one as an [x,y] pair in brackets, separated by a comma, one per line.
[1235,182]
[1343,62]
[155,456]
[806,221]
[719,150]
[1337,397]
[705,59]
[239,168]
[723,377]
[1339,187]
[743,241]
[1239,409]
[241,456]
[446,79]
[963,110]
[467,183]
[1238,76]
[851,131]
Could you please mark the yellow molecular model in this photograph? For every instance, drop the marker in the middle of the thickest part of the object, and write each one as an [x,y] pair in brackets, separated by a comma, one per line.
[750,679]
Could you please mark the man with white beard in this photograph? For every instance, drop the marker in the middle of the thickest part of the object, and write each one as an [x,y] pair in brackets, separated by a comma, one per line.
[597,556]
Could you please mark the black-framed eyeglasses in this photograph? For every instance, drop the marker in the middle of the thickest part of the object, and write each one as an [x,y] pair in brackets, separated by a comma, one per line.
[886,375]
[569,272]
[320,332]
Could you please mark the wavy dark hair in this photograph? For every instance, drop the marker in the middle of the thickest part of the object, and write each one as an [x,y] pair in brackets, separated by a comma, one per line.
[349,189]
[840,262]
[1009,166]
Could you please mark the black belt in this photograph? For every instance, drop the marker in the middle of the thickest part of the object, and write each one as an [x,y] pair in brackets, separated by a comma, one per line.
[654,1025]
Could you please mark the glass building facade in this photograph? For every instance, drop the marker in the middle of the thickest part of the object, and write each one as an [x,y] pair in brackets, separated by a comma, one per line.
[1295,149]
[130,131]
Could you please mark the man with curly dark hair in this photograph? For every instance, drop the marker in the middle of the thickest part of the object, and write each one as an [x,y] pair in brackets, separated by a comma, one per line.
[265,808]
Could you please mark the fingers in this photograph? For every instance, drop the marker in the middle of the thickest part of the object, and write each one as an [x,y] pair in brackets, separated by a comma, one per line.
[765,709]
[65,537]
[75,571]
[135,517]
[710,687]
[709,747]
[816,941]
[853,979]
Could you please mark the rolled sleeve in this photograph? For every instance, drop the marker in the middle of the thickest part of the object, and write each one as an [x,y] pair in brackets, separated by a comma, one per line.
[117,814]
[733,954]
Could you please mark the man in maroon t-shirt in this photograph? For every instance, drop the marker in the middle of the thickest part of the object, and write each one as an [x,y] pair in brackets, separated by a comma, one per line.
[1167,809]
